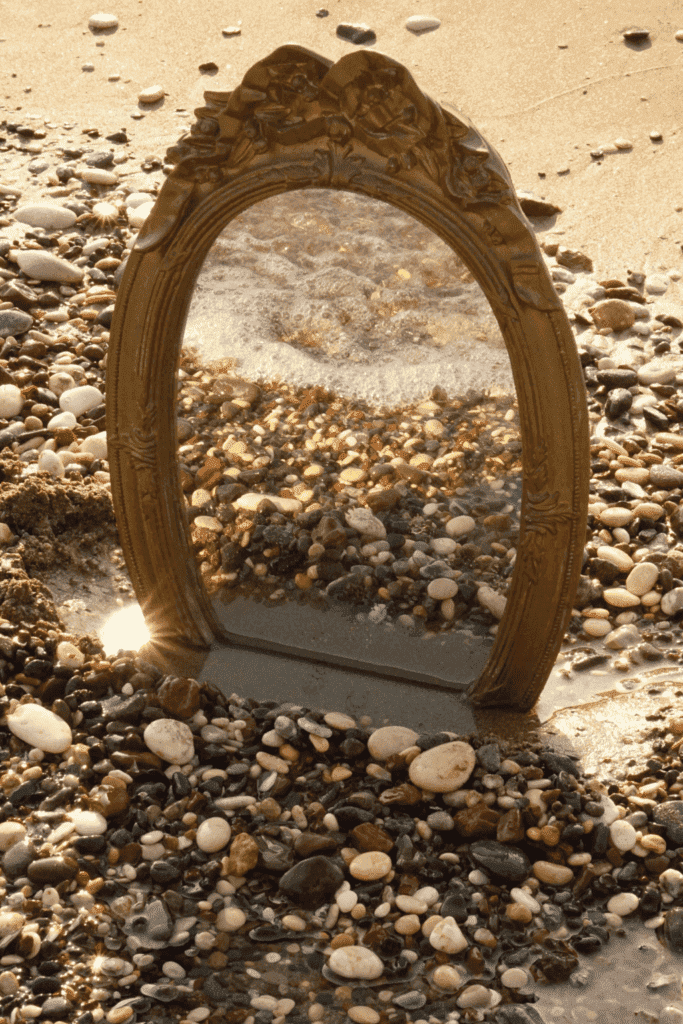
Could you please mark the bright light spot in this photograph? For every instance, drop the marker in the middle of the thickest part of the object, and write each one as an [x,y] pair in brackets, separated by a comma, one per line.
[124,631]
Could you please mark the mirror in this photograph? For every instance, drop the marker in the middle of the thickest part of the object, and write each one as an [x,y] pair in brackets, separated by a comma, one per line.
[348,437]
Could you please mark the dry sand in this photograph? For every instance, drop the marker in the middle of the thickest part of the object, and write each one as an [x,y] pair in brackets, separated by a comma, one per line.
[546,83]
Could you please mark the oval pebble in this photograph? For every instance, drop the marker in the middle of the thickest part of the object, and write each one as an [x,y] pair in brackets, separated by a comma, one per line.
[443,545]
[441,589]
[447,978]
[370,866]
[88,823]
[597,627]
[170,739]
[137,215]
[491,600]
[366,523]
[40,727]
[68,655]
[96,444]
[11,401]
[356,962]
[642,578]
[459,526]
[616,557]
[81,399]
[390,739]
[623,903]
[152,94]
[620,597]
[514,977]
[62,421]
[421,23]
[49,216]
[101,21]
[444,768]
[213,834]
[97,176]
[616,516]
[43,266]
[552,874]
[447,937]
[672,602]
[648,510]
[623,835]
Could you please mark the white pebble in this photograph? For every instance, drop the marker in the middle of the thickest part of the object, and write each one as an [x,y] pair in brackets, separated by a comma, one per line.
[474,995]
[442,588]
[597,627]
[366,523]
[49,216]
[642,578]
[370,866]
[88,823]
[151,94]
[620,597]
[459,526]
[623,903]
[170,739]
[137,215]
[443,768]
[100,21]
[97,176]
[62,421]
[43,266]
[11,401]
[492,601]
[514,977]
[213,834]
[443,545]
[346,901]
[616,557]
[623,836]
[68,655]
[421,23]
[390,739]
[11,832]
[616,516]
[96,444]
[672,602]
[137,199]
[80,400]
[49,462]
[250,502]
[40,727]
[230,919]
[60,382]
[356,962]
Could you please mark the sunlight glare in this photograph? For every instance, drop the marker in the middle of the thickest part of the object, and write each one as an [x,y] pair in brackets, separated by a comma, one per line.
[124,630]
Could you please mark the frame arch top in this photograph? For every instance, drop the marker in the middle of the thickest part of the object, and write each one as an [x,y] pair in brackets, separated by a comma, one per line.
[361,124]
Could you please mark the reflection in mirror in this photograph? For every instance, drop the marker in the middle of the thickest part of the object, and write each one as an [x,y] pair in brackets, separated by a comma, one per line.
[348,437]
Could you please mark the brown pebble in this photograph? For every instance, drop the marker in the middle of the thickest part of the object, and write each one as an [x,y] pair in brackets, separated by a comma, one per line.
[477,822]
[403,794]
[510,828]
[180,696]
[370,837]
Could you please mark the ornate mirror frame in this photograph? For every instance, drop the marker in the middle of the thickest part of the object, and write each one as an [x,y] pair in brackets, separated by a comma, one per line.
[300,121]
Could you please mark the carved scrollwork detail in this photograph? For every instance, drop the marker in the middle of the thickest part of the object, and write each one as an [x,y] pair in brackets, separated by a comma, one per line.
[545,514]
[140,443]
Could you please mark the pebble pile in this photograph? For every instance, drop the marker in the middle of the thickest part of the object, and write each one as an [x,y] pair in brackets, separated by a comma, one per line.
[172,854]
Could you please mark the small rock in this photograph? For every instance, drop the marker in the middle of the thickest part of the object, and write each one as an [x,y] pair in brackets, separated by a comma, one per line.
[102,21]
[656,373]
[573,260]
[460,525]
[622,638]
[244,854]
[666,477]
[620,597]
[623,144]
[356,962]
[672,602]
[49,216]
[43,266]
[40,728]
[492,601]
[171,740]
[151,95]
[642,578]
[62,421]
[623,903]
[514,977]
[474,995]
[636,35]
[616,516]
[552,874]
[369,526]
[421,23]
[619,558]
[623,836]
[252,499]
[613,313]
[532,206]
[597,627]
[390,739]
[80,400]
[88,823]
[441,589]
[98,176]
[50,462]
[446,936]
[501,860]
[68,655]
[213,834]
[443,768]
[370,866]
[96,444]
[232,30]
[655,284]
[11,400]
[312,882]
[360,34]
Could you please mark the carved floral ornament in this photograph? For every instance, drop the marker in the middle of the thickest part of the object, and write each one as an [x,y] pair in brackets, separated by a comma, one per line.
[300,121]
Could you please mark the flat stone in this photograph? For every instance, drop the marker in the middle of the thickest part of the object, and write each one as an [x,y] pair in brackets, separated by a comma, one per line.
[443,545]
[252,499]
[620,597]
[171,740]
[421,23]
[366,523]
[459,526]
[356,962]
[40,728]
[88,823]
[501,860]
[49,216]
[390,739]
[656,284]
[360,33]
[642,578]
[613,313]
[312,882]
[103,21]
[43,266]
[213,834]
[441,589]
[444,768]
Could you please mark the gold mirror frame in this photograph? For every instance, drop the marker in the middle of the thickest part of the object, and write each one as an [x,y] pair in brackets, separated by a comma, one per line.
[300,121]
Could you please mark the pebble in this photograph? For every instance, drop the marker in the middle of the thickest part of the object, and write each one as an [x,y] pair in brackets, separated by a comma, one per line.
[443,768]
[366,523]
[642,578]
[252,499]
[623,835]
[552,874]
[620,597]
[446,936]
[459,526]
[421,23]
[80,400]
[171,740]
[152,94]
[213,834]
[68,655]
[613,313]
[623,904]
[598,627]
[619,639]
[11,401]
[62,421]
[43,266]
[356,962]
[441,589]
[89,823]
[96,444]
[370,866]
[389,740]
[98,176]
[619,558]
[492,601]
[40,727]
[102,21]
[49,216]
[672,602]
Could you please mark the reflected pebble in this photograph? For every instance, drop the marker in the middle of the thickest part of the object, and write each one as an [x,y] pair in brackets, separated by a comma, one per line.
[40,727]
[170,739]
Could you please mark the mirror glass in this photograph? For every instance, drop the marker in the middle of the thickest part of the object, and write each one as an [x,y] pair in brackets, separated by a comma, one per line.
[348,438]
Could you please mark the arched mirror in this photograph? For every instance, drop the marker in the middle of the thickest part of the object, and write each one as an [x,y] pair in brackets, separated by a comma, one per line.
[345,411]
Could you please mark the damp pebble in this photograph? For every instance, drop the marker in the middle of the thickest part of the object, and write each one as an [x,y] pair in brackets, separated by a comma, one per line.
[40,727]
[96,444]
[68,655]
[623,903]
[552,874]
[442,589]
[356,962]
[443,768]
[597,627]
[89,823]
[623,835]
[370,866]
[459,526]
[171,740]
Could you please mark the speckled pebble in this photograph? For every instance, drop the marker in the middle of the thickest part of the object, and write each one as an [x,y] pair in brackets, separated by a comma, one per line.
[213,834]
[390,739]
[356,962]
[370,866]
[40,727]
[170,739]
[443,768]
[447,937]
